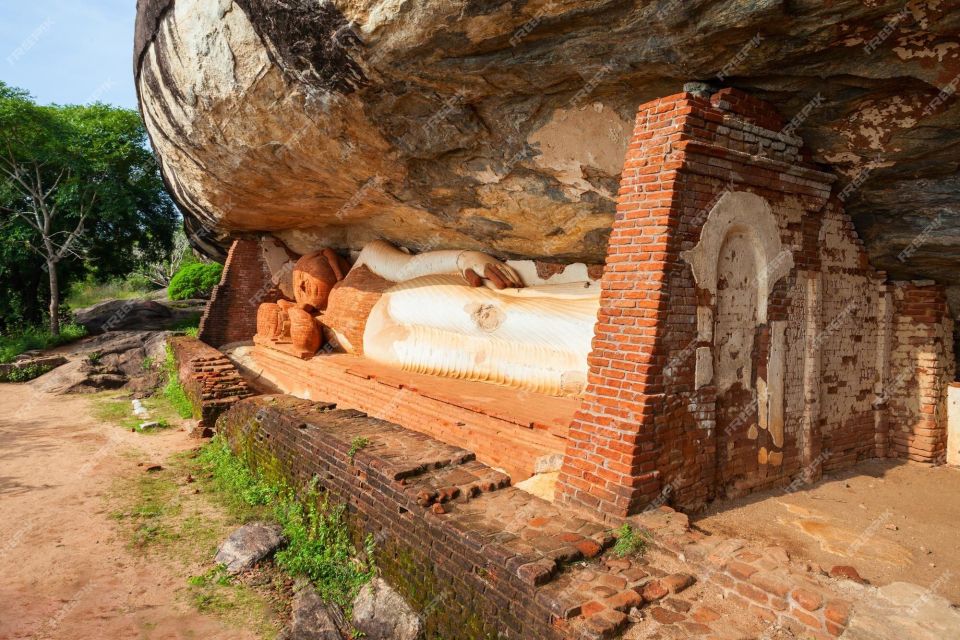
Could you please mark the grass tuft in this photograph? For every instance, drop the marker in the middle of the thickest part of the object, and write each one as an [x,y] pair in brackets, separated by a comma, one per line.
[630,541]
[37,339]
[173,390]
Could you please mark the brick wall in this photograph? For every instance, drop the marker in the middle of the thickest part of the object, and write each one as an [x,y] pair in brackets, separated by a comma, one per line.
[920,353]
[210,380]
[466,586]
[658,420]
[231,314]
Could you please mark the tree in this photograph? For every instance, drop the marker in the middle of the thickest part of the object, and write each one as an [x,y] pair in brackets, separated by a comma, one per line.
[81,191]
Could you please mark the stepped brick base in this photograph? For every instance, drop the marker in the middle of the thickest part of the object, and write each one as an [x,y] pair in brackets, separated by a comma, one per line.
[481,559]
[506,428]
[210,380]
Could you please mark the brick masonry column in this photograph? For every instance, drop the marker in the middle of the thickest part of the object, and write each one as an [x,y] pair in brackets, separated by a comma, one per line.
[611,459]
[921,370]
[231,313]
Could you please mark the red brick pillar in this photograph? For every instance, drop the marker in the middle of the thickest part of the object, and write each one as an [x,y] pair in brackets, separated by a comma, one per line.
[921,370]
[231,313]
[611,458]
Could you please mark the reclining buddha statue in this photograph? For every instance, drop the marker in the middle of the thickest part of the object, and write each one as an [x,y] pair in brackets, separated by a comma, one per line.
[460,314]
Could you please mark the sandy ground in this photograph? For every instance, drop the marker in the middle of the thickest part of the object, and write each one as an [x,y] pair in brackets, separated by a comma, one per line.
[892,521]
[67,571]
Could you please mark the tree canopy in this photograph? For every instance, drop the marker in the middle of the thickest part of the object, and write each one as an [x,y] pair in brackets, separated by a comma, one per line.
[97,174]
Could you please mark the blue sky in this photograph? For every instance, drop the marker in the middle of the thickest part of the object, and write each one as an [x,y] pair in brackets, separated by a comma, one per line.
[69,51]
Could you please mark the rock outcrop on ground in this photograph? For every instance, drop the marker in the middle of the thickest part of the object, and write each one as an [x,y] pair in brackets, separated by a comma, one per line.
[112,360]
[138,314]
[503,125]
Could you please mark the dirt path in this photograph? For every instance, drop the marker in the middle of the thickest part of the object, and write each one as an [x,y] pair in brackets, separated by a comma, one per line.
[890,520]
[67,570]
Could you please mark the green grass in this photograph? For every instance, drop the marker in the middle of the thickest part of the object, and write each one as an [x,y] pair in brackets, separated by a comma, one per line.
[169,514]
[356,446]
[173,390]
[116,408]
[630,541]
[147,516]
[88,293]
[37,338]
[319,545]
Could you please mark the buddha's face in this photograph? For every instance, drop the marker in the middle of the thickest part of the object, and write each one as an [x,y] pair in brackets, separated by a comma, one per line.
[312,281]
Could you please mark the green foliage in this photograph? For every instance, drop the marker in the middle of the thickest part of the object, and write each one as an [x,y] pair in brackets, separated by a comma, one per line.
[359,443]
[234,479]
[25,374]
[630,541]
[95,156]
[94,357]
[173,390]
[195,280]
[89,292]
[318,538]
[37,339]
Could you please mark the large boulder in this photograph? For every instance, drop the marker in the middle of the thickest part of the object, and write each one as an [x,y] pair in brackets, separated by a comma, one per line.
[381,613]
[113,360]
[503,125]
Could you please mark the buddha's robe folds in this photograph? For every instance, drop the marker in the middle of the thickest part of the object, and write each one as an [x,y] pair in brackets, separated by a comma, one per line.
[535,338]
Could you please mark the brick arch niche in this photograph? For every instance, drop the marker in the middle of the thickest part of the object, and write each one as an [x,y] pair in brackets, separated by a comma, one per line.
[722,227]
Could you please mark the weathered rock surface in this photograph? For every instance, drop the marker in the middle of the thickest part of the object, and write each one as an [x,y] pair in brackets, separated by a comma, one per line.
[248,545]
[502,125]
[901,611]
[311,618]
[140,314]
[382,614]
[112,360]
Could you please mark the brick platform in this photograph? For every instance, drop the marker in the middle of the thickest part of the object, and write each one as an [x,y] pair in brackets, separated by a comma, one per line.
[506,428]
[209,379]
[479,558]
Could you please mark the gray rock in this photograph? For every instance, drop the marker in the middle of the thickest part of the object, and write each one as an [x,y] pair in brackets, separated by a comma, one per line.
[902,611]
[112,360]
[248,545]
[382,614]
[137,314]
[311,618]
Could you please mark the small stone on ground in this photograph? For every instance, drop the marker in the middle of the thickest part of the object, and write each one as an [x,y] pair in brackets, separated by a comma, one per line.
[248,545]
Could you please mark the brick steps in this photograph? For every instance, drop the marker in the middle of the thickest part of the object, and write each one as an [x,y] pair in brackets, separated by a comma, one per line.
[536,569]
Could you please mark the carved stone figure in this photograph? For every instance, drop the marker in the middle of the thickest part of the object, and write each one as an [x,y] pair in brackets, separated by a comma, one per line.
[269,320]
[314,275]
[304,331]
[465,314]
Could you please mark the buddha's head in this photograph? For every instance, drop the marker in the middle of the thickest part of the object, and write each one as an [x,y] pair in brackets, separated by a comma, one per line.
[313,278]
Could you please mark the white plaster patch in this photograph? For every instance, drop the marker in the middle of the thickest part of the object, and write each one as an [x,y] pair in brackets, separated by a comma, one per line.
[749,214]
[590,136]
[704,367]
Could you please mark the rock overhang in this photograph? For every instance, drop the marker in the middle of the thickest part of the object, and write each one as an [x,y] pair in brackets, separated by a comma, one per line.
[499,126]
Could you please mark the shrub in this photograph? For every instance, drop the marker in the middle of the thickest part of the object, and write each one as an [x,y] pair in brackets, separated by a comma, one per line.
[195,280]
